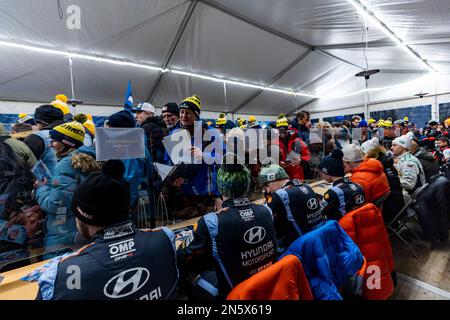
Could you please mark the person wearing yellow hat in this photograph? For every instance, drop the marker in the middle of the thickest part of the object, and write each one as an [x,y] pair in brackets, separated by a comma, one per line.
[242,123]
[252,123]
[201,188]
[221,122]
[447,123]
[89,127]
[292,149]
[54,194]
[60,102]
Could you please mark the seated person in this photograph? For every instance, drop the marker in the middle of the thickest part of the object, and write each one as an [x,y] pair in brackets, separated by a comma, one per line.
[295,206]
[410,170]
[368,173]
[229,245]
[121,262]
[345,195]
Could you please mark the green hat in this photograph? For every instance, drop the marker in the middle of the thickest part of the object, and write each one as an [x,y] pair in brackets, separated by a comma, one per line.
[272,173]
[233,180]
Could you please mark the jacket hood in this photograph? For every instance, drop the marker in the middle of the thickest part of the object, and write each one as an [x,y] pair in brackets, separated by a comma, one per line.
[423,154]
[370,165]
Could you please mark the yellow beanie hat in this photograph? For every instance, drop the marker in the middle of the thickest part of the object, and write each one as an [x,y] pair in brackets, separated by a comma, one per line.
[60,102]
[192,103]
[70,133]
[282,121]
[372,120]
[222,120]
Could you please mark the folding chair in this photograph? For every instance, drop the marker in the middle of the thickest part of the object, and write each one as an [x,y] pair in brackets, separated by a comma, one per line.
[404,216]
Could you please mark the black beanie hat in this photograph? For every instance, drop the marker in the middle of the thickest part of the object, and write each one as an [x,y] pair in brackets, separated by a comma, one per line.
[103,199]
[48,114]
[122,119]
[333,164]
[172,108]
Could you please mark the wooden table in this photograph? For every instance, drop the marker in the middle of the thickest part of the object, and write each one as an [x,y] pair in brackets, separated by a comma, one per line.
[12,288]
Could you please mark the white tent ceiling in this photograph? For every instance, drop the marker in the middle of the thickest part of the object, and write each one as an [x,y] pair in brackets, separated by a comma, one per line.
[312,46]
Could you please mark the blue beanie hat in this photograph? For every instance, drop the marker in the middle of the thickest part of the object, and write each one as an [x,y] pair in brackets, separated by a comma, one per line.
[362,124]
[122,119]
[333,164]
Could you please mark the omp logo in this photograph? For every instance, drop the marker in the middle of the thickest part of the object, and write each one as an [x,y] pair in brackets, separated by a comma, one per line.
[246,214]
[359,199]
[121,248]
[312,204]
[126,283]
[254,235]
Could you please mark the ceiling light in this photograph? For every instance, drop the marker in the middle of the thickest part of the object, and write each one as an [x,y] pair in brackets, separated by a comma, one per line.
[362,9]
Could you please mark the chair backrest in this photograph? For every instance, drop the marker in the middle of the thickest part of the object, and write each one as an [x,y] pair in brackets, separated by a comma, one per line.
[284,280]
[419,191]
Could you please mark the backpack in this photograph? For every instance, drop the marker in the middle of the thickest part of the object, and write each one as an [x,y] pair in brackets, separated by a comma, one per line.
[16,181]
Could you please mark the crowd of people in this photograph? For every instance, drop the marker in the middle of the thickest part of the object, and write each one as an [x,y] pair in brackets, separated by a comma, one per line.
[87,202]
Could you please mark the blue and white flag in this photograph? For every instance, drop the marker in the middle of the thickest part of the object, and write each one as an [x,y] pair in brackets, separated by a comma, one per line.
[128,103]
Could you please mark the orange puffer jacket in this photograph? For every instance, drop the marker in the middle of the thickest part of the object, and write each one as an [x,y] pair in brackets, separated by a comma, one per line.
[370,175]
[366,227]
[284,280]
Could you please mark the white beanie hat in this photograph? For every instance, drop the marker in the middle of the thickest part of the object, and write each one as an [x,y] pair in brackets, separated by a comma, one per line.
[404,141]
[370,145]
[352,153]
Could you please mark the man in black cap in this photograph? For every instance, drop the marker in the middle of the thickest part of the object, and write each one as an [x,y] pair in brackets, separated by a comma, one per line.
[121,262]
[46,117]
[345,195]
[170,114]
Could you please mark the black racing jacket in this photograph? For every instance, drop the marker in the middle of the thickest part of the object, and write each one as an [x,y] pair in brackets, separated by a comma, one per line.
[237,242]
[343,197]
[296,210]
[122,262]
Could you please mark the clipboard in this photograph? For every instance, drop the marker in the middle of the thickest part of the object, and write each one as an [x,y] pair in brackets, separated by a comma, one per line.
[41,171]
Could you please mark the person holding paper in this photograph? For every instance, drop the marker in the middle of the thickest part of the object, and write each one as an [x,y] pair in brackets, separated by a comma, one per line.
[54,196]
[293,150]
[203,188]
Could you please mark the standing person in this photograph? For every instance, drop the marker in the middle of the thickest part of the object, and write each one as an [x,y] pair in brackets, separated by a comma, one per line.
[293,150]
[46,117]
[395,201]
[200,193]
[409,168]
[442,153]
[345,195]
[135,169]
[23,153]
[229,245]
[121,262]
[302,123]
[54,196]
[368,173]
[153,127]
[170,115]
[295,206]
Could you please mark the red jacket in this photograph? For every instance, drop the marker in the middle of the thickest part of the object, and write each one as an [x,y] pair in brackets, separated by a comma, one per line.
[370,175]
[284,280]
[294,172]
[365,226]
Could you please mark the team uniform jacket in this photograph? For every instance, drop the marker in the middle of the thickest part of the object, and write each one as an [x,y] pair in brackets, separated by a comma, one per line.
[237,242]
[296,210]
[122,262]
[295,144]
[343,197]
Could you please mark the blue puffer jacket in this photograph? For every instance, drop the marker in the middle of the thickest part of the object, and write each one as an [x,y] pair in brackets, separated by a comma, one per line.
[205,182]
[55,199]
[330,259]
